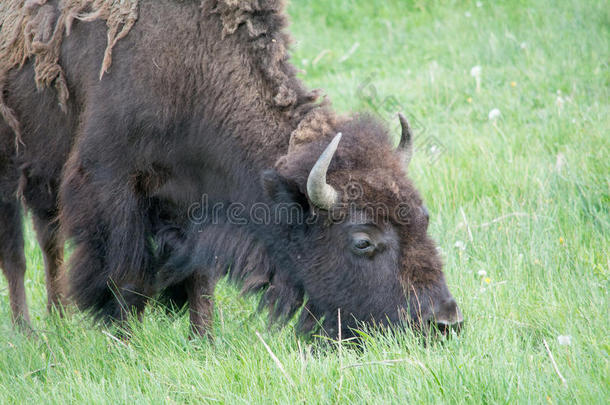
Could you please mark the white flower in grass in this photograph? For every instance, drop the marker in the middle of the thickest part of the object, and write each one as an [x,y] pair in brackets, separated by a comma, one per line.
[559,100]
[460,245]
[564,340]
[523,45]
[467,14]
[560,162]
[475,71]
[482,273]
[479,4]
[433,68]
[494,114]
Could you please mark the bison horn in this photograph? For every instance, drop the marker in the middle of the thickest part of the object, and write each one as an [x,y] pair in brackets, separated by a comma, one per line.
[320,192]
[406,139]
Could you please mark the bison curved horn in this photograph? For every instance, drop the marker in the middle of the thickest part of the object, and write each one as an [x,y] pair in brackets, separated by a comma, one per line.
[321,193]
[406,139]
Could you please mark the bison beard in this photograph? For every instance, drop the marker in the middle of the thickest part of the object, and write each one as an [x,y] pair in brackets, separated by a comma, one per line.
[169,101]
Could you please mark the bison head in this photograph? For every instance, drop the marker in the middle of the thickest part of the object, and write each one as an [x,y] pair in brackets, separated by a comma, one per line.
[361,248]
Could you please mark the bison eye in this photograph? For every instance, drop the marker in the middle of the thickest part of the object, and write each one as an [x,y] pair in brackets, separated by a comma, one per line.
[362,244]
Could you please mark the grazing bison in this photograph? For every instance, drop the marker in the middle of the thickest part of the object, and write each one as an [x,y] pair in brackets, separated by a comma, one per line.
[171,143]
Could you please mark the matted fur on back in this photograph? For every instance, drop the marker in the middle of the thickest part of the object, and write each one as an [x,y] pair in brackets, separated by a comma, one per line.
[35,29]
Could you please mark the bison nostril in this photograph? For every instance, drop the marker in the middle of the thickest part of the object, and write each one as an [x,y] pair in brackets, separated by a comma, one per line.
[448,316]
[446,328]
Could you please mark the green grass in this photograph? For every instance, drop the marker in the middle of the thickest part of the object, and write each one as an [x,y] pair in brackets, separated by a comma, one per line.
[541,172]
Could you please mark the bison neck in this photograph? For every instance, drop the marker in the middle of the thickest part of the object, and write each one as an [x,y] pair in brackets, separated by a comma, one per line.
[222,163]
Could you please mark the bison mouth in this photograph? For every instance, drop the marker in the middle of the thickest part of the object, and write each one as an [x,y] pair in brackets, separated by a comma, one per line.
[343,327]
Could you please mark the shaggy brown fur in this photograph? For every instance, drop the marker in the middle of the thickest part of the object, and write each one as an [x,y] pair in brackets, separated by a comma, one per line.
[264,20]
[134,152]
[34,29]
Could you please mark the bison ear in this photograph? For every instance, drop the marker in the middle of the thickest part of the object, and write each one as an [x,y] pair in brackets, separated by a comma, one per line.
[282,190]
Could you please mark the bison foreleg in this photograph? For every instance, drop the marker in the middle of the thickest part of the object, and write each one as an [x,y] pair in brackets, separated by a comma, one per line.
[52,252]
[12,259]
[200,290]
[111,272]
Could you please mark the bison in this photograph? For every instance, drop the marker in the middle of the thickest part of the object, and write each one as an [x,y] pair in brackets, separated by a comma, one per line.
[171,143]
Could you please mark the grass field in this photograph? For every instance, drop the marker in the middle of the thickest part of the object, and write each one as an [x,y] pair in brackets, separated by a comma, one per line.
[523,197]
